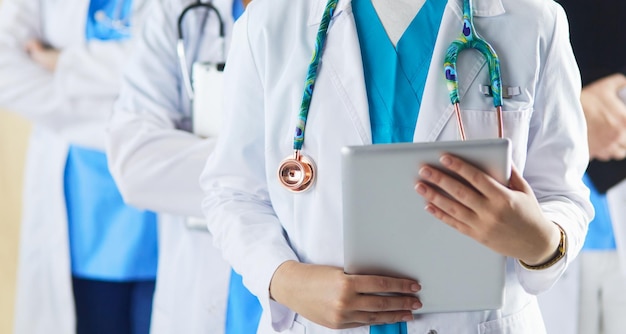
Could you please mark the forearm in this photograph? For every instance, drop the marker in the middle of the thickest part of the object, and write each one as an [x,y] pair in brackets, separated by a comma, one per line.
[151,160]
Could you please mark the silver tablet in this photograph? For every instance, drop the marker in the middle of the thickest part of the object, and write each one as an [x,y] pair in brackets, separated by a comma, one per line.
[388,232]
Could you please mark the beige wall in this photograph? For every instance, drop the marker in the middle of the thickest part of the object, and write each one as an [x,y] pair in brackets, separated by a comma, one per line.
[13,140]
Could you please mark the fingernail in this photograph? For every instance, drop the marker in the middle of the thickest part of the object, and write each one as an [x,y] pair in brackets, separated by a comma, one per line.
[425,172]
[430,209]
[420,188]
[407,318]
[445,160]
[416,305]
[415,287]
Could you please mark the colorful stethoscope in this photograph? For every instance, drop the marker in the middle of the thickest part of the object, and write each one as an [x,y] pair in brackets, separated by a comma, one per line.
[470,39]
[297,173]
[180,45]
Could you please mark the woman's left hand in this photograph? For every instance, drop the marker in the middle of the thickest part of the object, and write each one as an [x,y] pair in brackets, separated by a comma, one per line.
[508,220]
[45,56]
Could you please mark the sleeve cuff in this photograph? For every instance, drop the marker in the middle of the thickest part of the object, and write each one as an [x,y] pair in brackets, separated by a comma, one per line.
[280,315]
[538,281]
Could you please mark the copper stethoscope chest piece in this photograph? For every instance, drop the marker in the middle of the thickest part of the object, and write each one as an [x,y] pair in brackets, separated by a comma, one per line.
[296,173]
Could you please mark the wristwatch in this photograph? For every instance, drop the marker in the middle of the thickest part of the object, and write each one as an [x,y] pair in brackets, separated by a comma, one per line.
[560,253]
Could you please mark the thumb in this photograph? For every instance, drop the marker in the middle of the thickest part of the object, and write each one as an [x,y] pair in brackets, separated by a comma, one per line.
[518,183]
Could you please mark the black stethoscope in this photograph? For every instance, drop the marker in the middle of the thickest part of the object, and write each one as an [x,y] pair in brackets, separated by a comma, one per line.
[180,46]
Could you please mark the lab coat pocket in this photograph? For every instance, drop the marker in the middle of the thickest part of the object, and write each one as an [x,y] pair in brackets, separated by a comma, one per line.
[528,320]
[480,124]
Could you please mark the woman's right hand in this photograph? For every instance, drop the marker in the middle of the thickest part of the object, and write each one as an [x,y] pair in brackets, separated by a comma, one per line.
[605,113]
[331,298]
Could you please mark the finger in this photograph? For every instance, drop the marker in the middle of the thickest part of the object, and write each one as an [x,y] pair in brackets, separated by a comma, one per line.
[618,79]
[613,152]
[382,284]
[603,156]
[449,220]
[448,205]
[618,154]
[619,148]
[484,183]
[518,183]
[350,325]
[459,191]
[375,318]
[622,139]
[378,303]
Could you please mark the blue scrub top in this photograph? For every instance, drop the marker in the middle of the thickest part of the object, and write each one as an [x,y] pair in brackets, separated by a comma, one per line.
[395,79]
[108,239]
[600,234]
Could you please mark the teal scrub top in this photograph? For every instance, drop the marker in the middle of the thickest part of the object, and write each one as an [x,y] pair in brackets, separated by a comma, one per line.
[395,79]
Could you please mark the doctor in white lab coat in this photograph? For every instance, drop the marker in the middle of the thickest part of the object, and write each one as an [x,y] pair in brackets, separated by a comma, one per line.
[156,161]
[289,248]
[71,106]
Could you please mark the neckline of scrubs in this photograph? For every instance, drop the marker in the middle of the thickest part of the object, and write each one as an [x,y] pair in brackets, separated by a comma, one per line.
[395,76]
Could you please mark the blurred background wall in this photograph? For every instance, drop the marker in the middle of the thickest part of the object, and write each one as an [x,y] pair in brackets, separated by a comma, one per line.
[14,133]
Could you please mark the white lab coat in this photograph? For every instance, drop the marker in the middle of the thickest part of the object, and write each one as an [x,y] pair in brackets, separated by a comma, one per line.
[561,305]
[70,106]
[251,215]
[156,163]
[616,198]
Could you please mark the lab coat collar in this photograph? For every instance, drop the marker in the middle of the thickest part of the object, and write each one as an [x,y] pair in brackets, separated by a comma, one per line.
[482,8]
[345,68]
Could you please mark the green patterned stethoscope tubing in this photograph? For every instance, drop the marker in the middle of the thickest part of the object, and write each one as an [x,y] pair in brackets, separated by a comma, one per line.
[298,139]
[469,39]
[297,173]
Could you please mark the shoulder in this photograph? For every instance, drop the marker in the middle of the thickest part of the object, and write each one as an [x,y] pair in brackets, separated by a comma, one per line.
[279,23]
[281,8]
[536,11]
[281,14]
[545,19]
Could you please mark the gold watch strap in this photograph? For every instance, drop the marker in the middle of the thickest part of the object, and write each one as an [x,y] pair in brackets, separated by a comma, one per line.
[561,251]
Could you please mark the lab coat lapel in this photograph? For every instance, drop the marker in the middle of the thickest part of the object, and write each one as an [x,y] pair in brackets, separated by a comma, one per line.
[342,62]
[436,108]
